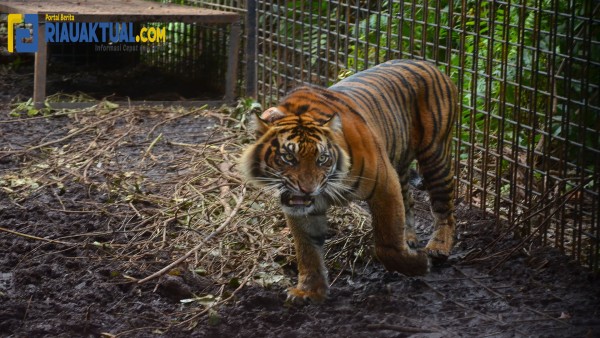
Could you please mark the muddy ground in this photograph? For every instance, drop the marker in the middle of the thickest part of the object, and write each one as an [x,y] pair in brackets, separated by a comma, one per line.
[50,287]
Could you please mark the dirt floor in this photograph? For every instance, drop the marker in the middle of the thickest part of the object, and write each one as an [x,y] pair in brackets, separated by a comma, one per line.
[81,196]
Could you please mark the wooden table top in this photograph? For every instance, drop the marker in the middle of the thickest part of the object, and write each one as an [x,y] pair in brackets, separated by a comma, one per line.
[110,10]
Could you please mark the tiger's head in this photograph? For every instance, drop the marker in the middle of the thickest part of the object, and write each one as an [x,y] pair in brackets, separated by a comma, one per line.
[300,158]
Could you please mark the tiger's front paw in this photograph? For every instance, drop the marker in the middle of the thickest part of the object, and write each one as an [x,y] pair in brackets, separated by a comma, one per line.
[311,287]
[299,296]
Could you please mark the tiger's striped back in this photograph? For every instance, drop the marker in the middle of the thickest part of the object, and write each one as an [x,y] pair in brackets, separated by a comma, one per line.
[413,107]
[410,104]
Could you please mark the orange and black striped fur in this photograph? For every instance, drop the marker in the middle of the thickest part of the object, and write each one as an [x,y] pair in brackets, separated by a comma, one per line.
[356,140]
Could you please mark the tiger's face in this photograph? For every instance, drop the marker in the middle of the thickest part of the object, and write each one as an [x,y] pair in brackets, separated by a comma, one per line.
[298,158]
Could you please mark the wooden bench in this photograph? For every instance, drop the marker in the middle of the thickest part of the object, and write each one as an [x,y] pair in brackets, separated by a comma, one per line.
[124,11]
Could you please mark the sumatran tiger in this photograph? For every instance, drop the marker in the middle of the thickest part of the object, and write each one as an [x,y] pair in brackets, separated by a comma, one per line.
[356,140]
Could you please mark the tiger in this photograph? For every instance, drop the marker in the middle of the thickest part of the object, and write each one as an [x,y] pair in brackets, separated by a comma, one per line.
[356,140]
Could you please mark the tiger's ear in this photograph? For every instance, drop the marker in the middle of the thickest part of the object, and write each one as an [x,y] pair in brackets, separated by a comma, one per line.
[264,120]
[334,123]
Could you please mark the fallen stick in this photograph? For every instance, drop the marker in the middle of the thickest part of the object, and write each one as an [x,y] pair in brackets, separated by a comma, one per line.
[223,301]
[149,149]
[164,270]
[75,133]
[398,328]
[35,237]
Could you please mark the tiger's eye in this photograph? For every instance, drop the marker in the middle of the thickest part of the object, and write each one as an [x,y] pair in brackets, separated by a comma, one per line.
[322,159]
[287,157]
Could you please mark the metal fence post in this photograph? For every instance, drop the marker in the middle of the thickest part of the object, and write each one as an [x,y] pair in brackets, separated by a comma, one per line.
[251,23]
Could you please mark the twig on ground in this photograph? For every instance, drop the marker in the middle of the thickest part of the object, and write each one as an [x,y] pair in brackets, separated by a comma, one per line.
[149,149]
[62,139]
[178,116]
[223,301]
[35,237]
[164,270]
[405,329]
[542,226]
[502,296]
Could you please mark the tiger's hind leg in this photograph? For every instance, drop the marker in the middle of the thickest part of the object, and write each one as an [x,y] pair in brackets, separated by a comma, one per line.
[438,177]
[390,226]
[409,228]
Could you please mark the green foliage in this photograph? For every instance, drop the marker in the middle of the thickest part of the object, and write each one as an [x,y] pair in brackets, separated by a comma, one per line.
[512,61]
[246,106]
[28,109]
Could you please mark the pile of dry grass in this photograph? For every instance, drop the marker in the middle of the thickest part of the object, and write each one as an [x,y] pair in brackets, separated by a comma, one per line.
[168,182]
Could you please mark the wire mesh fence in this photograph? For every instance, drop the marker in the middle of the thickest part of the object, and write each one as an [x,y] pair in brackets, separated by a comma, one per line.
[192,52]
[528,72]
[245,85]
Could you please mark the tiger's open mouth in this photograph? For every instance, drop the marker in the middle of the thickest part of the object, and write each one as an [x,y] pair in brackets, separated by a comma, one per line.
[291,200]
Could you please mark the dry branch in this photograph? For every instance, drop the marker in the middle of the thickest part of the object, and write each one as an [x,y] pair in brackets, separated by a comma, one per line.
[35,237]
[398,328]
[62,139]
[167,268]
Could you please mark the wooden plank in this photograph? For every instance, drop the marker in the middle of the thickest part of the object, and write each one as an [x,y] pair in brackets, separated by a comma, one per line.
[39,76]
[194,103]
[232,62]
[131,10]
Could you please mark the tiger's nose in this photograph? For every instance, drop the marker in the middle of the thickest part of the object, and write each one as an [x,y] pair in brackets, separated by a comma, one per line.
[306,189]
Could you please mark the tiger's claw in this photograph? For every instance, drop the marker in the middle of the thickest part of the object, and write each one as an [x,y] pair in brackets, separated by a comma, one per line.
[411,238]
[409,262]
[441,242]
[298,296]
[437,256]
